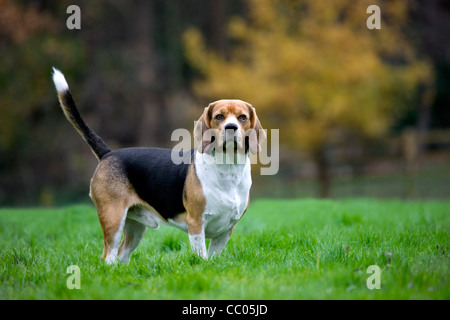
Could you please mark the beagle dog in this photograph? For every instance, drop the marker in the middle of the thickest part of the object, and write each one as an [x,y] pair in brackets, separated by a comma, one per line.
[138,188]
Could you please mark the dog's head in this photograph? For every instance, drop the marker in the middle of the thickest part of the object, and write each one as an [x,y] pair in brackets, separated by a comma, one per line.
[229,123]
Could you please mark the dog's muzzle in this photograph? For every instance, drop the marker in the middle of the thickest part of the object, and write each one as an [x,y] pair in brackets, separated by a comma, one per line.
[231,132]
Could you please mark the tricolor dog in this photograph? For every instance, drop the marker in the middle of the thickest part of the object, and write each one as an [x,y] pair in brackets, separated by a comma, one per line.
[138,188]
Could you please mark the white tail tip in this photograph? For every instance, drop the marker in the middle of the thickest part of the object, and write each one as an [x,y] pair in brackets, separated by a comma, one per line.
[59,80]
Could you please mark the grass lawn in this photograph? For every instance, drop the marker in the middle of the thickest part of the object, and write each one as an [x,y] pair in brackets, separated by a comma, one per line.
[282,249]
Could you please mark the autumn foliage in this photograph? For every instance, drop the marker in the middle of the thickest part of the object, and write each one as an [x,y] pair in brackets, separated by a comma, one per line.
[312,68]
[141,69]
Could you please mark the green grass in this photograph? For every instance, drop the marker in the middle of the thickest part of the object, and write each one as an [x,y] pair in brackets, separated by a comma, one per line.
[282,249]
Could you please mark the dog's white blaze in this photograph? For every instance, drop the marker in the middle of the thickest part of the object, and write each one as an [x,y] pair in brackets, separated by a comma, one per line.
[237,133]
[231,120]
[59,80]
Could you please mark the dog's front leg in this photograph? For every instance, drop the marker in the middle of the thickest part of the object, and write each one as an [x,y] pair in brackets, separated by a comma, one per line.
[198,244]
[218,243]
[196,231]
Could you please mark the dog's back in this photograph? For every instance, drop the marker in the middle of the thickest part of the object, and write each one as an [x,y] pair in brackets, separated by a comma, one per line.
[154,177]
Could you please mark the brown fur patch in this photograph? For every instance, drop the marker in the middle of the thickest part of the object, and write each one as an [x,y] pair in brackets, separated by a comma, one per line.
[194,201]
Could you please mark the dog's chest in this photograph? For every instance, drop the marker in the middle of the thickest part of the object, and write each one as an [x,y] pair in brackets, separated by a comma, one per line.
[226,188]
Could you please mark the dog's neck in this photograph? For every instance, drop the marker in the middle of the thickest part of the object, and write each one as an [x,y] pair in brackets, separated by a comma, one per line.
[220,171]
[223,180]
[223,160]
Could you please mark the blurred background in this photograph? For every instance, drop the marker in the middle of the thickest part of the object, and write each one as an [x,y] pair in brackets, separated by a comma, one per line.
[361,113]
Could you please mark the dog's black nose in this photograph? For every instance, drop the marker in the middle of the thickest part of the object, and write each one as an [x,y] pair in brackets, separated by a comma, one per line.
[231,126]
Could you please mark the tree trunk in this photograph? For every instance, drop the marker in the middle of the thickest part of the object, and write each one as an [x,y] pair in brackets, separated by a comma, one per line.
[216,25]
[323,173]
[151,81]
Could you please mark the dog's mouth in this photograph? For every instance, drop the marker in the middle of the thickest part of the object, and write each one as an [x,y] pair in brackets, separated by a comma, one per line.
[230,144]
[230,136]
[226,142]
[231,141]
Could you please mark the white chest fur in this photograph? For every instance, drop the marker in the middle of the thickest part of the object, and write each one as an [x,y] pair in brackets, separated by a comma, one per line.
[226,188]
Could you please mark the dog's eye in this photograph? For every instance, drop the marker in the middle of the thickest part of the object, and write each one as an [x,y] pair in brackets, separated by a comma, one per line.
[242,117]
[219,117]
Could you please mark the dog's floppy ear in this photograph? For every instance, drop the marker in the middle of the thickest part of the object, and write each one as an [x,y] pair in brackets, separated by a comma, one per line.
[256,134]
[201,130]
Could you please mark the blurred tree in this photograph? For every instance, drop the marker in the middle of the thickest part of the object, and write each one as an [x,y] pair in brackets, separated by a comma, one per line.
[29,47]
[314,70]
[125,67]
[430,32]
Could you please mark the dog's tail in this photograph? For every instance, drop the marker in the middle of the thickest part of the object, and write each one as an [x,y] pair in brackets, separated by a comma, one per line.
[98,146]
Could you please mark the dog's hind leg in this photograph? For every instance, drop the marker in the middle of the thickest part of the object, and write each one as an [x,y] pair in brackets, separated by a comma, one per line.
[112,220]
[132,235]
[113,196]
